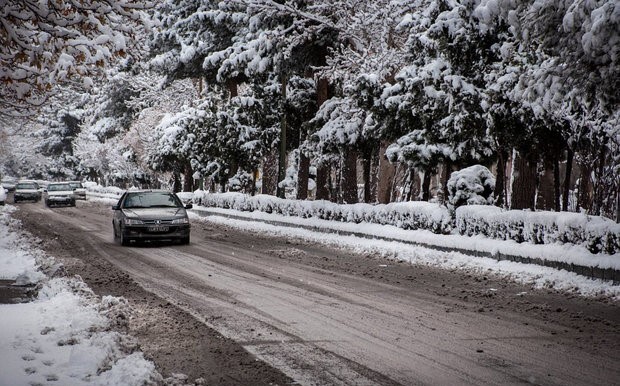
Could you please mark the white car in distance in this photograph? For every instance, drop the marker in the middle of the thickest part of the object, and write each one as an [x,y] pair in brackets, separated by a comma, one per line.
[59,193]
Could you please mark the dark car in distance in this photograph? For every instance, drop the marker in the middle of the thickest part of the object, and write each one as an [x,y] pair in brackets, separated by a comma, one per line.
[150,215]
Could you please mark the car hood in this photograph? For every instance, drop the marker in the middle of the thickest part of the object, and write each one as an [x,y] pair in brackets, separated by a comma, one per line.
[26,191]
[155,213]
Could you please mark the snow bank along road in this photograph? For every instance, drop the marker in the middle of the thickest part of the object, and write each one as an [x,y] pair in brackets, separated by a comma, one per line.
[324,316]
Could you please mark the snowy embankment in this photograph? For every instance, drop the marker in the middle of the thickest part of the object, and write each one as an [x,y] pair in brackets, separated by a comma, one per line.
[64,335]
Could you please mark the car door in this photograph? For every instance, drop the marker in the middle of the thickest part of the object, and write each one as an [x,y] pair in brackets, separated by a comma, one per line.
[118,215]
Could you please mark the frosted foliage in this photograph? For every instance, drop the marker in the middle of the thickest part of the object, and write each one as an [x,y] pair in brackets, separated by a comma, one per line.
[45,44]
[471,186]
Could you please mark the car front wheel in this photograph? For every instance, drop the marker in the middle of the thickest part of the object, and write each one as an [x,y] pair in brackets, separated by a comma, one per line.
[124,240]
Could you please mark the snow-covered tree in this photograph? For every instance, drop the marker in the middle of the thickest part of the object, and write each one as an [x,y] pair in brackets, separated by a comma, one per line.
[46,42]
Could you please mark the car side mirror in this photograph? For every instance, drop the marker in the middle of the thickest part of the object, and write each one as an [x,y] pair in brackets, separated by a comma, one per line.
[115,207]
[189,206]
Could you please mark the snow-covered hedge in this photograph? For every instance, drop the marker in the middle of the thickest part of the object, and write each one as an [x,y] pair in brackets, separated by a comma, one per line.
[406,215]
[96,188]
[597,234]
[470,186]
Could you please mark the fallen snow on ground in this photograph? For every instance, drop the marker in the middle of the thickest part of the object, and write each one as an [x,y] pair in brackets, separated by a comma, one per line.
[530,274]
[63,336]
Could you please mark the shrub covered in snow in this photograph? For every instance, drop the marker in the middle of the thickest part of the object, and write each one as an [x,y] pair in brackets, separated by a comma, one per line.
[597,234]
[96,188]
[406,215]
[471,186]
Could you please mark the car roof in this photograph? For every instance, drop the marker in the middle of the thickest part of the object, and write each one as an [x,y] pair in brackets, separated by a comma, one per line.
[59,183]
[148,190]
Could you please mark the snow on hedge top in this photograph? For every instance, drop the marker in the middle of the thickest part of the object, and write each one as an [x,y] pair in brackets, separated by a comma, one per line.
[471,186]
[406,215]
[598,234]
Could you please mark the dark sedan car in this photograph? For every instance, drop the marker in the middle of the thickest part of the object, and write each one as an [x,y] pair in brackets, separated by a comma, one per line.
[150,215]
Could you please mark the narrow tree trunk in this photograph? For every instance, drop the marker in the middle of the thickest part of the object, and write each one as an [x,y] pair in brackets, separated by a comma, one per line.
[282,155]
[322,171]
[322,183]
[447,171]
[546,196]
[524,184]
[599,188]
[232,87]
[585,186]
[567,179]
[270,173]
[426,184]
[366,165]
[556,184]
[374,172]
[349,177]
[411,185]
[386,176]
[501,178]
[188,178]
[176,185]
[302,176]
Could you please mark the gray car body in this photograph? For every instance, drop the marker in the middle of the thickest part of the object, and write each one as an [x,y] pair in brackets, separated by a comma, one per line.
[155,223]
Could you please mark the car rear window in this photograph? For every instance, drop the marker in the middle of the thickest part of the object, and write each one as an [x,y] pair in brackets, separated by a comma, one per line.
[58,187]
[151,200]
[26,186]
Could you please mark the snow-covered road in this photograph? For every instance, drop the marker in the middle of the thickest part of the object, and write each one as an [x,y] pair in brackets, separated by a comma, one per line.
[328,316]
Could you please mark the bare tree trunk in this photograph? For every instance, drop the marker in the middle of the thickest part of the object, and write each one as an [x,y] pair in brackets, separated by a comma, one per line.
[585,186]
[322,183]
[176,185]
[426,184]
[231,86]
[349,177]
[270,173]
[546,192]
[282,155]
[302,176]
[600,188]
[567,179]
[374,173]
[556,184]
[501,178]
[447,172]
[366,167]
[188,178]
[524,184]
[386,175]
[412,181]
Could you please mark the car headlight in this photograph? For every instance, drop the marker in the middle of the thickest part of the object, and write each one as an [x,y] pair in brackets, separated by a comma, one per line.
[182,220]
[133,221]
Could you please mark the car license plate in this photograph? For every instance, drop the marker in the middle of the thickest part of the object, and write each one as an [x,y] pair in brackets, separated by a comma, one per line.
[158,229]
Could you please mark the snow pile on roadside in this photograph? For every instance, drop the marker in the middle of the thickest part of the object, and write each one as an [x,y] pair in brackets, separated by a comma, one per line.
[15,263]
[64,336]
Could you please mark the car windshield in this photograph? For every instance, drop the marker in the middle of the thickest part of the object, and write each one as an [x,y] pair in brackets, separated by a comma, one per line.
[58,187]
[151,200]
[26,185]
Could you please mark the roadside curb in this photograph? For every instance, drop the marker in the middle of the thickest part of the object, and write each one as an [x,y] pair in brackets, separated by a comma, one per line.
[607,274]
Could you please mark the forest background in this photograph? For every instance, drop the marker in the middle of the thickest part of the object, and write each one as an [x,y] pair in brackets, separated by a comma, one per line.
[347,100]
